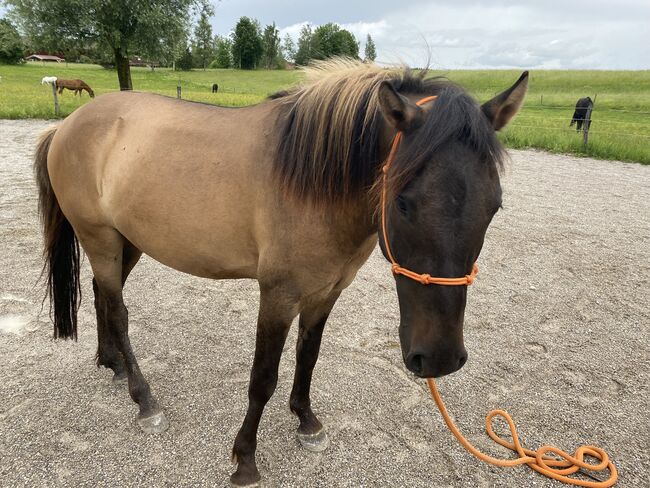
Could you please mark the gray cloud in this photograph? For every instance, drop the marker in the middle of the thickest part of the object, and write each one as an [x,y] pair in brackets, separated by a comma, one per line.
[564,34]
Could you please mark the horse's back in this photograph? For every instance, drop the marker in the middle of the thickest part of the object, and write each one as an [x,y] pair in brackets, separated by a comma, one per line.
[178,180]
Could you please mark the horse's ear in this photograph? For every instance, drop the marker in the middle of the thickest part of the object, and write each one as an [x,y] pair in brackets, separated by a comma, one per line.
[502,108]
[398,110]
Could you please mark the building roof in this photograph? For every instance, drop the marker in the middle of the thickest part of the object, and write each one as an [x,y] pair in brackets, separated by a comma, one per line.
[45,57]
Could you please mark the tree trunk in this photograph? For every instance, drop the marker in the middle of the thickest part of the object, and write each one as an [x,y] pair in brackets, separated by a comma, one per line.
[123,70]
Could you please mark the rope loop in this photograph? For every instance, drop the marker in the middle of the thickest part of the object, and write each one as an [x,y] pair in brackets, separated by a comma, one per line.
[539,460]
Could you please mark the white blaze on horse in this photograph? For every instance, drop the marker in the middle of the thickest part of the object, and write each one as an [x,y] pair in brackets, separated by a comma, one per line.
[48,80]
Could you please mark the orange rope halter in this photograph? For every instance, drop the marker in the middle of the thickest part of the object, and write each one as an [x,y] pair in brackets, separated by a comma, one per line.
[559,469]
[425,279]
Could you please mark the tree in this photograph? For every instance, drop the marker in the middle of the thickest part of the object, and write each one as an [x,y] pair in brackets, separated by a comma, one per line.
[305,53]
[330,40]
[151,28]
[186,61]
[371,51]
[271,42]
[203,48]
[11,45]
[247,46]
[223,50]
[288,48]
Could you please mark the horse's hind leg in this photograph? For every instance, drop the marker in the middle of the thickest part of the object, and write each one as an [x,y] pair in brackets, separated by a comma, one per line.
[108,354]
[311,433]
[105,251]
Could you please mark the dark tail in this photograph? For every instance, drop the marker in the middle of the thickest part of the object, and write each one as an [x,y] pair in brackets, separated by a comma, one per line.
[61,250]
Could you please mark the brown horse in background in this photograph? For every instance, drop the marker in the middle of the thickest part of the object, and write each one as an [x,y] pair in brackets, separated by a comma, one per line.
[284,192]
[75,85]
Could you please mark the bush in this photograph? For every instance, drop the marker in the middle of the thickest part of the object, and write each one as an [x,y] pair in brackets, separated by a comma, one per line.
[83,59]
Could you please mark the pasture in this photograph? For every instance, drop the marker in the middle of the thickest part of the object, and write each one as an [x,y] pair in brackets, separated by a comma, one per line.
[620,128]
[556,328]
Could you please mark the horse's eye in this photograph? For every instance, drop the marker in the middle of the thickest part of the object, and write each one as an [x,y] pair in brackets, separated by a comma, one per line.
[402,205]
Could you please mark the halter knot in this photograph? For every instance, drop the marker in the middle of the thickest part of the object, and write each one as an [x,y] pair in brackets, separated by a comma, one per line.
[395,268]
[424,278]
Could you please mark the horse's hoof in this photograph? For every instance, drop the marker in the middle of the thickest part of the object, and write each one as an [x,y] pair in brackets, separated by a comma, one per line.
[239,481]
[317,442]
[256,484]
[120,379]
[154,424]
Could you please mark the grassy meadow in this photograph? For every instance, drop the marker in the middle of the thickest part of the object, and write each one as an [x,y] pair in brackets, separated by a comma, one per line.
[620,122]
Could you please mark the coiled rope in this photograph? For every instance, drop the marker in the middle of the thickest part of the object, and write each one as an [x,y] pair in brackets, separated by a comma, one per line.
[558,469]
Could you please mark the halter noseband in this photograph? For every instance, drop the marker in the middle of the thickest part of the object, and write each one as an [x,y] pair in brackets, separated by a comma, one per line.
[425,279]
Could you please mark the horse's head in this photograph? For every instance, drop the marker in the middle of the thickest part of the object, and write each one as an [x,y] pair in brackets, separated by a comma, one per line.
[443,191]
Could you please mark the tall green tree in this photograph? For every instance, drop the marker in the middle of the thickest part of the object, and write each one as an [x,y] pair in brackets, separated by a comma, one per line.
[271,41]
[330,40]
[223,54]
[203,46]
[247,46]
[150,28]
[371,50]
[305,51]
[288,48]
[11,45]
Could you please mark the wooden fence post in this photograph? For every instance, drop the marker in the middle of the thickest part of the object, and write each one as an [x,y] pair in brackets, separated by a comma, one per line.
[178,91]
[57,110]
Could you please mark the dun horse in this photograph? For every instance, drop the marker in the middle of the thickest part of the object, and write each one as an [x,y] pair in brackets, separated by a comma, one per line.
[74,85]
[285,192]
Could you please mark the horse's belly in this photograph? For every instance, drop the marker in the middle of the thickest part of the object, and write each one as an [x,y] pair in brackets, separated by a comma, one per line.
[216,253]
[188,216]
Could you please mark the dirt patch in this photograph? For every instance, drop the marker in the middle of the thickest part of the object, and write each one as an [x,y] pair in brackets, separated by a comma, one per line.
[557,331]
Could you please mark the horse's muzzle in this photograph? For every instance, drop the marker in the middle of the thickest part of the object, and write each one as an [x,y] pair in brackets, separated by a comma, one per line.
[434,366]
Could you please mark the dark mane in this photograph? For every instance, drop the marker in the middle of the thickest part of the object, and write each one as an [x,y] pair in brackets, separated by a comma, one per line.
[329,130]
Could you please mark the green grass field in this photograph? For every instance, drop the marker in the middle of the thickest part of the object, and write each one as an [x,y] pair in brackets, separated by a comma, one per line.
[620,128]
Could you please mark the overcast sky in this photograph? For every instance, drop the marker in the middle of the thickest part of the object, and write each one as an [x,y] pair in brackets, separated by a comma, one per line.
[563,34]
[552,34]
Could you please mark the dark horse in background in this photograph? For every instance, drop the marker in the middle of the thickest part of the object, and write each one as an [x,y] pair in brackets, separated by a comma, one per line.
[582,114]
[215,88]
[285,192]
[74,85]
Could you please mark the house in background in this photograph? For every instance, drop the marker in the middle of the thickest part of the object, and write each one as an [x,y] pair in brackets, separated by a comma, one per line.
[46,58]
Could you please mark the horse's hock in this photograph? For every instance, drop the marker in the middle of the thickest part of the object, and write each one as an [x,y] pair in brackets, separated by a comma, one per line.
[553,318]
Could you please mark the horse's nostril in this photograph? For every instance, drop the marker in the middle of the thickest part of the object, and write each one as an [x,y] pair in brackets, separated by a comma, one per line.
[415,363]
[462,360]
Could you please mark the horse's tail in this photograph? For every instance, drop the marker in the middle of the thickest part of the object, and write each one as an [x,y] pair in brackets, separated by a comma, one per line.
[61,250]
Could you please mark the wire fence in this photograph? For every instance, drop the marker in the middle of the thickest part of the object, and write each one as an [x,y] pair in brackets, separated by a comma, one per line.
[594,116]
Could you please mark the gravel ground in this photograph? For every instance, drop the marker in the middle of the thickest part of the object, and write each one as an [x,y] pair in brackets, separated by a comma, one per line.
[556,329]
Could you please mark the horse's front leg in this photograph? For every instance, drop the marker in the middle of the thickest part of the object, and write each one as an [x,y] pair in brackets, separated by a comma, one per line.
[311,433]
[277,311]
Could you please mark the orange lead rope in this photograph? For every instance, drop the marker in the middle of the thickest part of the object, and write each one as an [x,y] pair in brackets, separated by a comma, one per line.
[558,469]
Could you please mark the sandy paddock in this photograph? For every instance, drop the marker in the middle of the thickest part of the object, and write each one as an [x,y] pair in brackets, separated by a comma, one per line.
[557,333]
